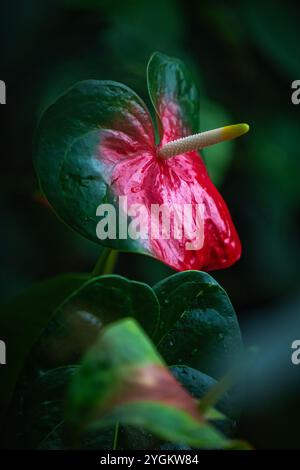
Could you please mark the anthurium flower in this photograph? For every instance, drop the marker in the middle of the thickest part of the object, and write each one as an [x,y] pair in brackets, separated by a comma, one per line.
[97,145]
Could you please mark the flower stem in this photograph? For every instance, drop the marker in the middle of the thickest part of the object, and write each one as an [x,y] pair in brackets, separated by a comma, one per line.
[235,374]
[217,391]
[201,140]
[116,433]
[106,262]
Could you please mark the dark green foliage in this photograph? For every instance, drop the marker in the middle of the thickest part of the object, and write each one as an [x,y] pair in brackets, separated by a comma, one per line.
[114,358]
[198,325]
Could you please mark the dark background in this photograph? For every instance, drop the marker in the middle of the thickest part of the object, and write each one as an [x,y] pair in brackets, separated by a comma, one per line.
[245,55]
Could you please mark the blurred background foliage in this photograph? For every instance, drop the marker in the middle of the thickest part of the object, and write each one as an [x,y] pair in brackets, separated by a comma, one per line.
[245,56]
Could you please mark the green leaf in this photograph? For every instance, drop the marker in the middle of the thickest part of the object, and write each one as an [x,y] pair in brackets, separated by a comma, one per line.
[123,379]
[76,323]
[198,325]
[23,319]
[74,170]
[172,88]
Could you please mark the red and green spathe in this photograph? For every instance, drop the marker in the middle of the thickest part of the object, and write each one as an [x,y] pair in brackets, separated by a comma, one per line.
[98,142]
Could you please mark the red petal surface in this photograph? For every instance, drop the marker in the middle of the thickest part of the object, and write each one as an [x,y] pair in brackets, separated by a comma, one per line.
[135,171]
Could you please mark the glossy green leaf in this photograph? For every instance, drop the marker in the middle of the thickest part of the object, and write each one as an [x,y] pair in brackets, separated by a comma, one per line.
[123,379]
[101,300]
[23,319]
[198,325]
[73,174]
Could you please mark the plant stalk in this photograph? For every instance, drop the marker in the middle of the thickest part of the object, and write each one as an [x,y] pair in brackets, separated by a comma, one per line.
[106,262]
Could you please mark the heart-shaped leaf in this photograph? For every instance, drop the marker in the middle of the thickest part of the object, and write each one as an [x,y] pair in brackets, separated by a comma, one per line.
[98,165]
[198,325]
[80,139]
[123,379]
[76,323]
